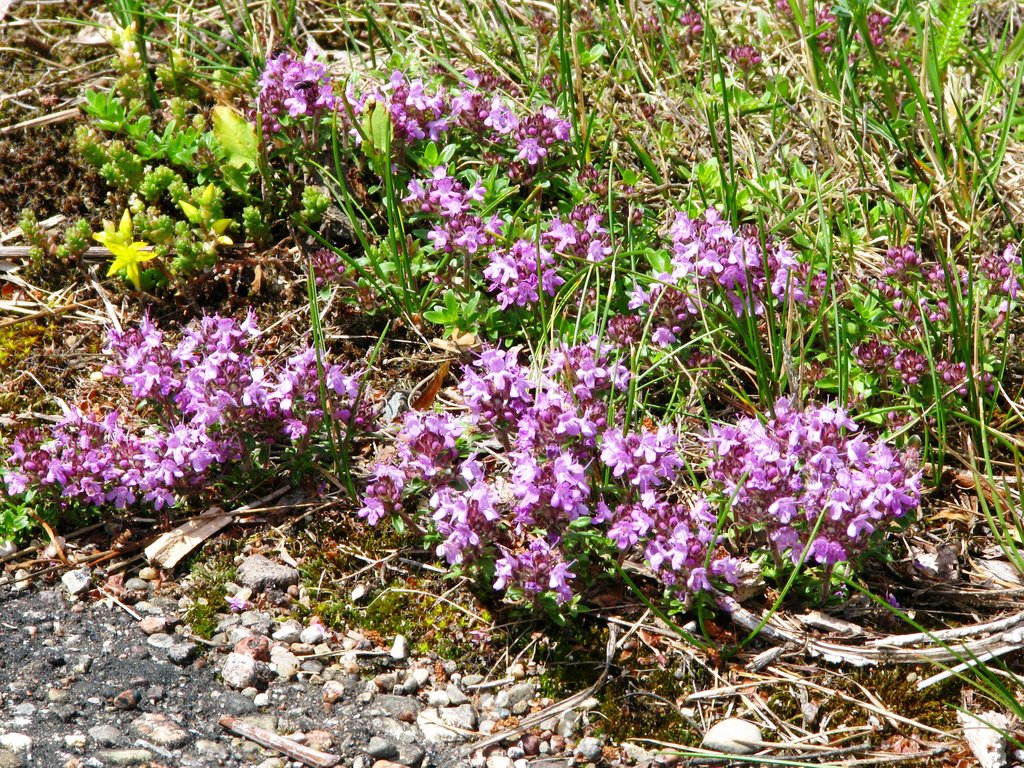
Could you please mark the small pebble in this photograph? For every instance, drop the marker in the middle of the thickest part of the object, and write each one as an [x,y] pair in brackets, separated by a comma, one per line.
[733,736]
[18,743]
[400,648]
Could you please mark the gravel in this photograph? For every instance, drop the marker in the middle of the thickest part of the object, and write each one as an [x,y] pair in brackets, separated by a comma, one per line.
[87,684]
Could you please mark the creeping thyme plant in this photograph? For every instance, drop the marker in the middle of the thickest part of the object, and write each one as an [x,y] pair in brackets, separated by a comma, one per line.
[666,365]
[209,406]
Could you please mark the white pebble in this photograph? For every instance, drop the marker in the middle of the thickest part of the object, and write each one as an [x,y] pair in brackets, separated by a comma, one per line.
[400,648]
[733,736]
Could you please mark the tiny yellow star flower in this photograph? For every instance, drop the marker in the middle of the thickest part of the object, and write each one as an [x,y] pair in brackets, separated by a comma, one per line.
[128,253]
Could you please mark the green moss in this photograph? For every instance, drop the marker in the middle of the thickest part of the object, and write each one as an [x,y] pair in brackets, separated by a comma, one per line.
[932,706]
[18,341]
[208,593]
[645,703]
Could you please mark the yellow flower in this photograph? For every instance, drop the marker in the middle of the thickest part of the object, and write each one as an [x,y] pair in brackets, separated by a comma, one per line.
[128,253]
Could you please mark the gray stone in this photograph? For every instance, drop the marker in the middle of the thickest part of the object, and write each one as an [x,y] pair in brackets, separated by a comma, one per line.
[733,736]
[239,671]
[182,654]
[312,667]
[135,584]
[160,641]
[459,717]
[393,730]
[18,743]
[517,694]
[124,756]
[470,680]
[636,753]
[381,749]
[455,695]
[985,734]
[235,635]
[589,749]
[106,735]
[160,730]
[410,755]
[333,691]
[77,581]
[10,760]
[288,632]
[409,687]
[76,740]
[258,622]
[260,574]
[434,731]
[152,625]
[268,722]
[399,707]
[567,723]
[210,748]
[438,699]
[164,604]
[233,703]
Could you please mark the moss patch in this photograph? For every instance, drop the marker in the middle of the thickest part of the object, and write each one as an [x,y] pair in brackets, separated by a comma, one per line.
[209,596]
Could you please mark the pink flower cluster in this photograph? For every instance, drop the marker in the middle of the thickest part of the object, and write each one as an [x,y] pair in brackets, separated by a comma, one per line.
[711,261]
[213,403]
[919,294]
[296,87]
[478,107]
[530,487]
[811,481]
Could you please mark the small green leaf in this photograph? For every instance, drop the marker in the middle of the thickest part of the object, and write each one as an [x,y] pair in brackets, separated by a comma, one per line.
[237,137]
[236,180]
[380,127]
[191,212]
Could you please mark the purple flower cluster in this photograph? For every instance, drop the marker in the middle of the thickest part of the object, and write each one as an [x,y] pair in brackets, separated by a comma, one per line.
[878,27]
[745,57]
[692,24]
[536,133]
[416,112]
[538,446]
[213,401]
[459,228]
[827,24]
[537,568]
[478,106]
[518,274]
[582,236]
[710,259]
[918,293]
[327,266]
[481,110]
[296,87]
[810,481]
[1002,269]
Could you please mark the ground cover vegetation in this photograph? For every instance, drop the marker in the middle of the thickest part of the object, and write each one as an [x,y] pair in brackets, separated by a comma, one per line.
[706,305]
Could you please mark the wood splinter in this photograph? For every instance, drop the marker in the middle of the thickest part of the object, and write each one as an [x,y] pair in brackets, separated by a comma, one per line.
[265,738]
